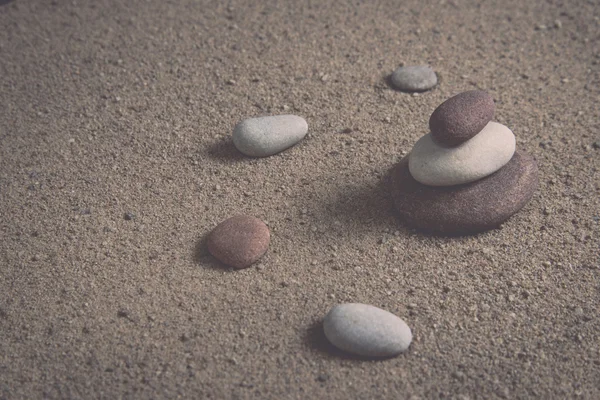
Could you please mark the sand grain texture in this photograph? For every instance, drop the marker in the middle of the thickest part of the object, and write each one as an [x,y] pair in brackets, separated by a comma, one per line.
[112,107]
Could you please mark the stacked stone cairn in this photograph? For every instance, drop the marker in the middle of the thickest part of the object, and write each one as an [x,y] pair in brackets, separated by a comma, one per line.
[466,175]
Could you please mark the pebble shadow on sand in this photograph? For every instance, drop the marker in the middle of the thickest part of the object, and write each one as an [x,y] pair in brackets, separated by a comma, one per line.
[225,152]
[205,259]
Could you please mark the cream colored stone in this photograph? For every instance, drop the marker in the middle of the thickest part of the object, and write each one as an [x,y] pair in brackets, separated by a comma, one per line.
[433,164]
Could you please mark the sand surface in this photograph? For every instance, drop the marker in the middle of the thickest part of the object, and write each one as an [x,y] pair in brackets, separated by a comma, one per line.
[110,107]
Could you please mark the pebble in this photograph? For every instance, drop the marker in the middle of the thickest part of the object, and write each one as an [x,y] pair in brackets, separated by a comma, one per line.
[485,153]
[265,136]
[470,208]
[239,241]
[366,330]
[414,78]
[461,117]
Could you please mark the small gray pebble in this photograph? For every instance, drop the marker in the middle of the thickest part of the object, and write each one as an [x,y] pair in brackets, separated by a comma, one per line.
[414,78]
[366,330]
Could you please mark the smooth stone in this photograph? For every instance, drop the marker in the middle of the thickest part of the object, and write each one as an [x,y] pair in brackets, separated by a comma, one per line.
[239,241]
[461,117]
[417,78]
[366,330]
[470,208]
[485,153]
[265,136]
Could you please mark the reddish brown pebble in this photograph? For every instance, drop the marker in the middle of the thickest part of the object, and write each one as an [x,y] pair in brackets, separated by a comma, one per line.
[239,241]
[461,117]
[468,208]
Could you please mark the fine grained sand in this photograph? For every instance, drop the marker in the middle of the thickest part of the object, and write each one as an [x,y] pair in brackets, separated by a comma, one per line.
[109,107]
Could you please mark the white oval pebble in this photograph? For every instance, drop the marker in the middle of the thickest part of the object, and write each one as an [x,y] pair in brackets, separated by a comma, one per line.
[366,330]
[416,78]
[265,136]
[485,153]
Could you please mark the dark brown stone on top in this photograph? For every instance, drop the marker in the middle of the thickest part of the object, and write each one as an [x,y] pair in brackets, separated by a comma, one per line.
[461,117]
[468,208]
[239,241]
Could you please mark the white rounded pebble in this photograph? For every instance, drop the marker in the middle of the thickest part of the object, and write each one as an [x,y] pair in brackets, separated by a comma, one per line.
[416,78]
[366,330]
[265,136]
[485,153]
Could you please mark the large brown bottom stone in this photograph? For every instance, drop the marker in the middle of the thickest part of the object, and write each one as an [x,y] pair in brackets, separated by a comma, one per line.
[468,208]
